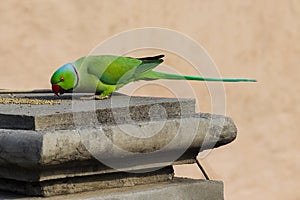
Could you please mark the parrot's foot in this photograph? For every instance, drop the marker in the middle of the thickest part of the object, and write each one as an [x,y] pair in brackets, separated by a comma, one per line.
[95,97]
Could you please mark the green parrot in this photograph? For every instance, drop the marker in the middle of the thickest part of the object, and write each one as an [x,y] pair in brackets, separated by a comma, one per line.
[104,74]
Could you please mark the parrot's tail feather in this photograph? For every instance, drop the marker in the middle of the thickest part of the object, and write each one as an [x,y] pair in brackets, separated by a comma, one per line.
[153,75]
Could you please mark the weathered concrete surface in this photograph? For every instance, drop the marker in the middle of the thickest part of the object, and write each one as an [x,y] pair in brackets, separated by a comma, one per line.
[118,109]
[82,145]
[176,189]
[42,155]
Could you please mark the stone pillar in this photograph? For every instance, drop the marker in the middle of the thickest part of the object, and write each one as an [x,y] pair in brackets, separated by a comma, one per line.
[120,148]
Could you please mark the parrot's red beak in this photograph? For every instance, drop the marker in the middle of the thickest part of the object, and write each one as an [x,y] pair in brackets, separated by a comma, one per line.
[57,89]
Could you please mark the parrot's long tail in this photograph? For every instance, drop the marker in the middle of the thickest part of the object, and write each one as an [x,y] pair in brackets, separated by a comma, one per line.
[154,75]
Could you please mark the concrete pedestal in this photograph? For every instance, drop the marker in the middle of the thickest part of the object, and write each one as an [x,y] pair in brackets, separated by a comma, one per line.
[77,145]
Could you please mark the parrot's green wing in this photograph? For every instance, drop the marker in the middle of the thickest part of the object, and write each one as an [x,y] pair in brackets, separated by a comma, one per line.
[114,70]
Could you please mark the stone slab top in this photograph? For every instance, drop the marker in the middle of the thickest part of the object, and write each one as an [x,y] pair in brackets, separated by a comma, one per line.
[47,112]
[69,103]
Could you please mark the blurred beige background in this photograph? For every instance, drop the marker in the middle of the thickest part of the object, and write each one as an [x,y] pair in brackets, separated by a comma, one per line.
[259,39]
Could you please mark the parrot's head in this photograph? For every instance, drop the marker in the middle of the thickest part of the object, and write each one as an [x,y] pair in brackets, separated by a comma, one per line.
[64,79]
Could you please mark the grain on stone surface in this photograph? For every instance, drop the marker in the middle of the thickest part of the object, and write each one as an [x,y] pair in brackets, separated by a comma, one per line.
[14,100]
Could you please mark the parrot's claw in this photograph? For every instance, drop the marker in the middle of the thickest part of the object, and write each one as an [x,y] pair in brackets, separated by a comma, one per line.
[95,97]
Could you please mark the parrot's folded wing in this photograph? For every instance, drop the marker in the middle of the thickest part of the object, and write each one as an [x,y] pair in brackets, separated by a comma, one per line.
[109,69]
[138,72]
[114,70]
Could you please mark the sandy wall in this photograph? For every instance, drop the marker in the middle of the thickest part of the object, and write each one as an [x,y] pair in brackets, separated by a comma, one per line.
[245,38]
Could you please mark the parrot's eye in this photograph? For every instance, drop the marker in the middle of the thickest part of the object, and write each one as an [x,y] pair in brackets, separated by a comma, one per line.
[61,79]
